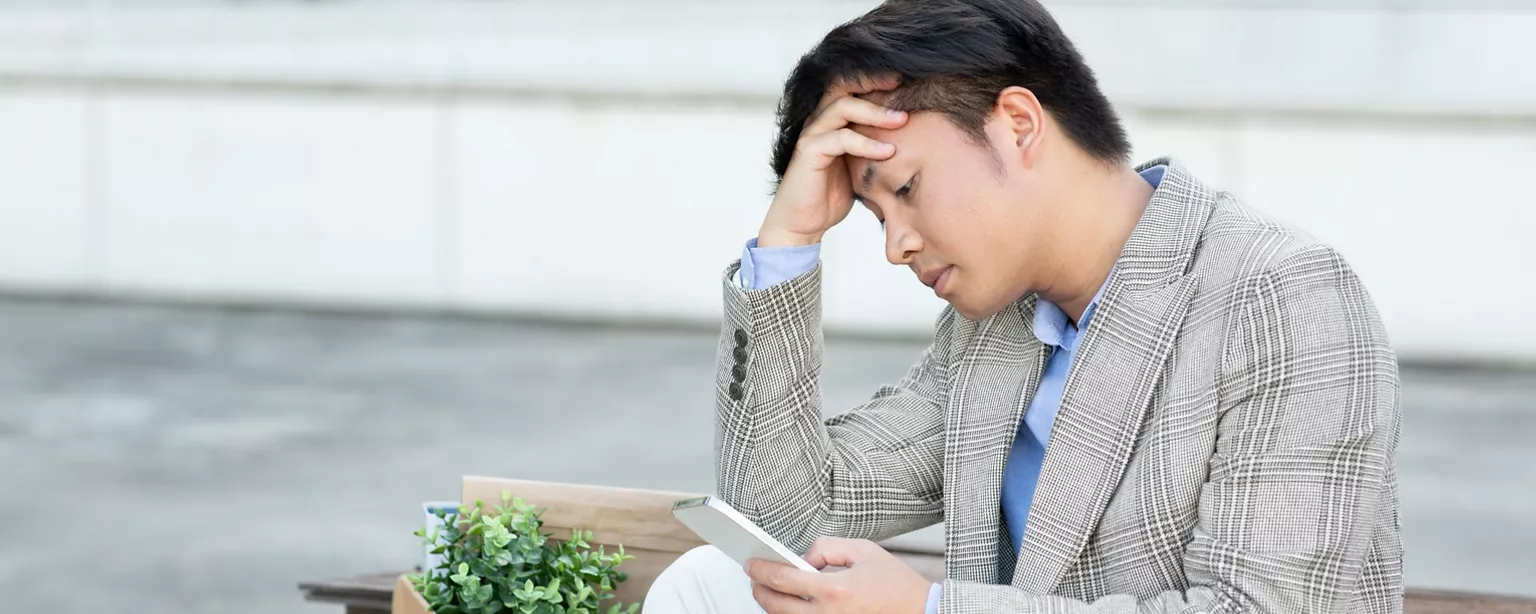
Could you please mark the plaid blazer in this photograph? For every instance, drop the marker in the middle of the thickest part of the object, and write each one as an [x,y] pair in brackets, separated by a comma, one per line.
[1225,443]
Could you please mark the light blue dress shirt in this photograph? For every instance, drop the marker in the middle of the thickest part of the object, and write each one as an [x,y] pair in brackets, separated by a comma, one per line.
[763,267]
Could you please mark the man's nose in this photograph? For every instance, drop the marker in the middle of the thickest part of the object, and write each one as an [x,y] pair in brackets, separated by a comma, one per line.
[901,244]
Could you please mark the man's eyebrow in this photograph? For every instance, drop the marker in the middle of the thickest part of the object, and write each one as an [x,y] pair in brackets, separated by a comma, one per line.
[868,180]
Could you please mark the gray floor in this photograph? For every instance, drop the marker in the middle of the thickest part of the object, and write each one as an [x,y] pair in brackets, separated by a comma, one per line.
[199,460]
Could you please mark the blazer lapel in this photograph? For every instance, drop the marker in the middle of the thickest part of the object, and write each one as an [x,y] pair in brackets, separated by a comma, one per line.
[1112,380]
[991,385]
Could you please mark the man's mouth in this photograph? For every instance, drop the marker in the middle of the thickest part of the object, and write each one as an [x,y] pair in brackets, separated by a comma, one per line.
[935,278]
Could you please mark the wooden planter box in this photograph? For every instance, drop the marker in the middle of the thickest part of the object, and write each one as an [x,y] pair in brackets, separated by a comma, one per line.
[641,520]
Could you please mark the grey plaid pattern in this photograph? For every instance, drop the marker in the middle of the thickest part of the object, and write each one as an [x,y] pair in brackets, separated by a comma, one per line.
[1225,443]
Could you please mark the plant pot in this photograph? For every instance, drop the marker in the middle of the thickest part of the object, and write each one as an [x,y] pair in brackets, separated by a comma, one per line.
[406,600]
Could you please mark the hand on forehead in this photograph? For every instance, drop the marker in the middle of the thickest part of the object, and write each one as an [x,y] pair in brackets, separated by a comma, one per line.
[881,98]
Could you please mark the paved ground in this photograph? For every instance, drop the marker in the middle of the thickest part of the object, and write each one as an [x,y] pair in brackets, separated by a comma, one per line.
[200,460]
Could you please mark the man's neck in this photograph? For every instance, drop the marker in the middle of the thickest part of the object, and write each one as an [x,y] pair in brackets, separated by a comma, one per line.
[1101,218]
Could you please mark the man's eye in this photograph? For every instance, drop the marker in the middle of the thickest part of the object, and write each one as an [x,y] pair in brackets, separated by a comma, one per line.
[904,190]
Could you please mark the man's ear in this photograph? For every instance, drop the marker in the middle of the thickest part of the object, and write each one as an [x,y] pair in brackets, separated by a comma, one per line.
[1024,119]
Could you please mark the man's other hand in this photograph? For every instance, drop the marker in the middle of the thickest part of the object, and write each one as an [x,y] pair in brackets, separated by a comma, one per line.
[872,580]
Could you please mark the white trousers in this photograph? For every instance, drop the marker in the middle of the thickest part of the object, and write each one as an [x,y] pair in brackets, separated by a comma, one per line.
[702,581]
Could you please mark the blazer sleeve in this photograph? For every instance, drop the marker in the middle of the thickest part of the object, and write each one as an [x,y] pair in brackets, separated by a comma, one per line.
[1301,484]
[873,472]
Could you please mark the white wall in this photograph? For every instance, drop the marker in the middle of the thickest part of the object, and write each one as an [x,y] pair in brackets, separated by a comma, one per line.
[608,159]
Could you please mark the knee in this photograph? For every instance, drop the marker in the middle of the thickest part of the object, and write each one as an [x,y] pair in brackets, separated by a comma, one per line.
[700,564]
[695,579]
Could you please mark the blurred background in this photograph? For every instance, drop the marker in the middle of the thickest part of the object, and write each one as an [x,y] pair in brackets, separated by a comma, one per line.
[275,272]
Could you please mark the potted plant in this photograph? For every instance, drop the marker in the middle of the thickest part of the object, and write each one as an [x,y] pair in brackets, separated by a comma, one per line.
[500,561]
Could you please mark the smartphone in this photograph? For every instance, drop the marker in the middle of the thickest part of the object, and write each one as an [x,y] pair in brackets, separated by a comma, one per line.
[725,528]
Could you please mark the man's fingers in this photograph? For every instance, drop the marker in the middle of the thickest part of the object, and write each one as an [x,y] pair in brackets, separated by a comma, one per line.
[844,88]
[856,144]
[784,578]
[775,602]
[839,552]
[865,84]
[845,111]
[828,147]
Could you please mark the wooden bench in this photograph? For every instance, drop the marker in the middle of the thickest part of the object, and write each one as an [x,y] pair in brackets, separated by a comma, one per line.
[642,521]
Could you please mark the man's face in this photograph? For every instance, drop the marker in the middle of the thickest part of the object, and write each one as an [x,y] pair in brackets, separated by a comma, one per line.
[961,217]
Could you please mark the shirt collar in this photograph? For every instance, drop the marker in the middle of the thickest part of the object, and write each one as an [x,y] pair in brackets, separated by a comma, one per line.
[1051,323]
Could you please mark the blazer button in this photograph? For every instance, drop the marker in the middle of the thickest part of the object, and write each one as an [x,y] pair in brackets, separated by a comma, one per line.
[735,392]
[741,337]
[738,373]
[741,355]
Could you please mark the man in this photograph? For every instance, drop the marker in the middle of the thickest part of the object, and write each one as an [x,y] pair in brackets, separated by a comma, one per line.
[1143,396]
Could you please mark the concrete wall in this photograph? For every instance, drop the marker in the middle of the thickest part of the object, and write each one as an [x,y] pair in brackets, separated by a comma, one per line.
[607,159]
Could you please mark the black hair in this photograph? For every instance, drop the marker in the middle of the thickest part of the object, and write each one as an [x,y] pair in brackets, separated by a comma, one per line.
[955,57]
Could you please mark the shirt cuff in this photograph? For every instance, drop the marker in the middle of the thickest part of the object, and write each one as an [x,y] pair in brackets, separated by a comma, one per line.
[933,598]
[765,267]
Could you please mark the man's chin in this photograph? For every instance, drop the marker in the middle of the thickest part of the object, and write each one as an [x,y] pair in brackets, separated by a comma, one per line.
[972,312]
[977,308]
